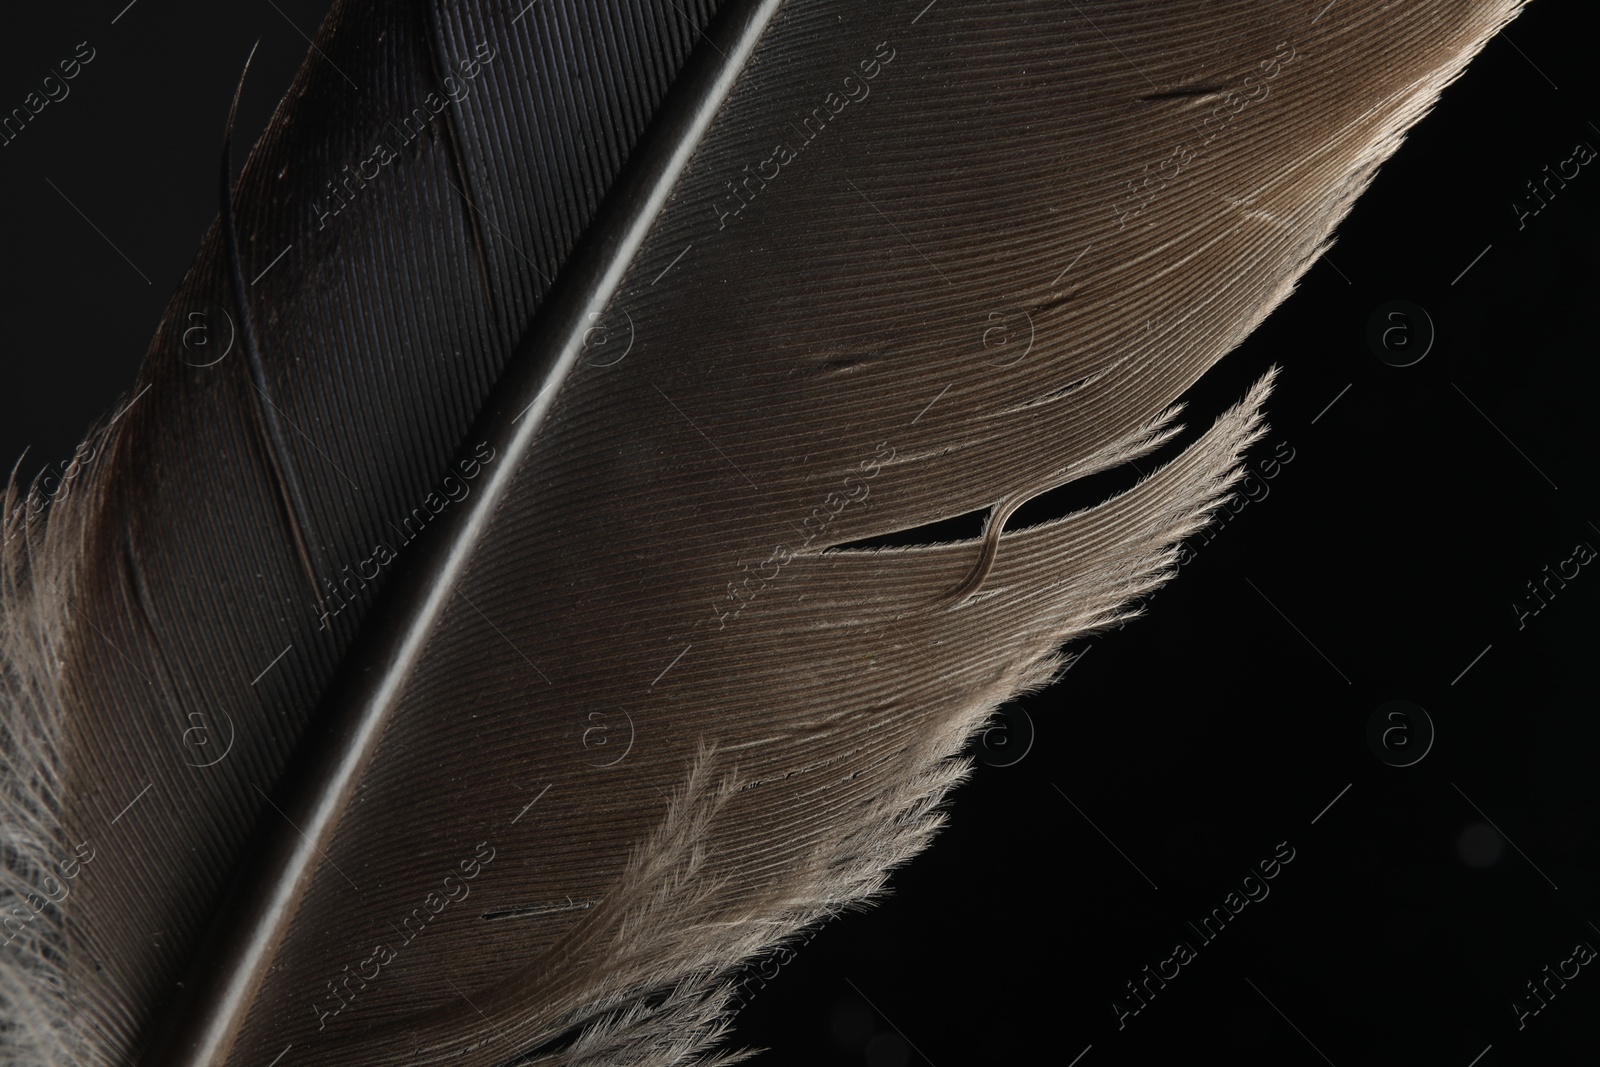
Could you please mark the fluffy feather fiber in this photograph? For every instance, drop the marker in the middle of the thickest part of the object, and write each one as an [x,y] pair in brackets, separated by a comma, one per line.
[661,720]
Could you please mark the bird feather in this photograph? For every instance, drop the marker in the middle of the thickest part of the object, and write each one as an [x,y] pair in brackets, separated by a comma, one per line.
[472,639]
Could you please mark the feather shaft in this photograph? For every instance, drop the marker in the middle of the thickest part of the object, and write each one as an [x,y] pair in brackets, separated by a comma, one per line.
[363,698]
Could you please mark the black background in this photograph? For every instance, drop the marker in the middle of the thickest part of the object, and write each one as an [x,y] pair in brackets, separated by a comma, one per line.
[1382,563]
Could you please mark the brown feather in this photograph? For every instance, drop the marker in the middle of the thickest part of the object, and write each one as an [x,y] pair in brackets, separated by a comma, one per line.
[626,713]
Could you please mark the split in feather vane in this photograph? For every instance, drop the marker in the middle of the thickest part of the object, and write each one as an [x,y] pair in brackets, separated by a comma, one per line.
[466,663]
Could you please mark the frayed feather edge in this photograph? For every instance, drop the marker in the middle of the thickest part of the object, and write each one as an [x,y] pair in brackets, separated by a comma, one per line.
[638,1016]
